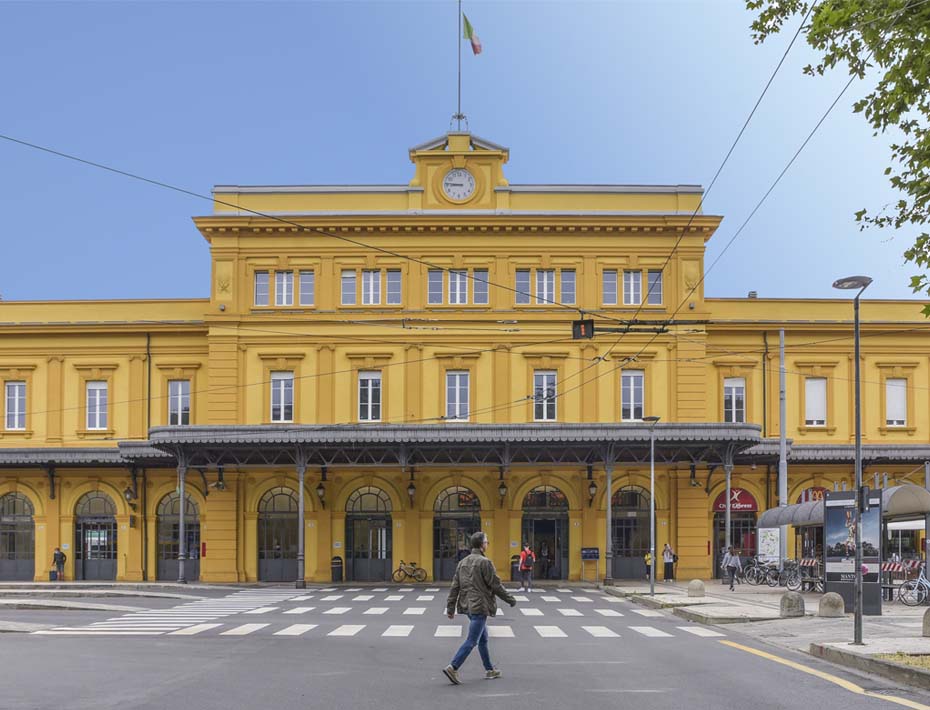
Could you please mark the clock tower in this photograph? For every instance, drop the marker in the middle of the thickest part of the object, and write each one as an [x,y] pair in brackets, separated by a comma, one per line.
[459,171]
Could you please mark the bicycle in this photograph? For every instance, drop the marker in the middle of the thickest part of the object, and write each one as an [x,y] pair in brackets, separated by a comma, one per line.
[409,571]
[915,591]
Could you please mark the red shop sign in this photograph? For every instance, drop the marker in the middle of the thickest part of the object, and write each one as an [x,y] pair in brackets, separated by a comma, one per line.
[808,495]
[741,501]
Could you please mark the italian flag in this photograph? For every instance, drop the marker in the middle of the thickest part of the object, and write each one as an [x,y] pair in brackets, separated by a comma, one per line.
[471,36]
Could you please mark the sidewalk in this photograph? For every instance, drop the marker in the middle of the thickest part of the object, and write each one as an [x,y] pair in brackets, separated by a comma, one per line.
[754,610]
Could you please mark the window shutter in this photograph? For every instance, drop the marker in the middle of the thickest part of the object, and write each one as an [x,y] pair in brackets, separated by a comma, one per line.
[896,401]
[815,401]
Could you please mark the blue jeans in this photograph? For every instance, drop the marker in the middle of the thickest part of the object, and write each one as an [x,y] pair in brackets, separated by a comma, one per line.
[477,634]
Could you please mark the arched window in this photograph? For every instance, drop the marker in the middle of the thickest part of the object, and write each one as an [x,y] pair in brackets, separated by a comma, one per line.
[545,498]
[170,506]
[457,499]
[15,504]
[368,499]
[631,498]
[279,500]
[95,504]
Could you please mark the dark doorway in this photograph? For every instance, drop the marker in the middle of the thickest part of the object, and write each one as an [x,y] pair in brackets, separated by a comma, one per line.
[742,536]
[277,536]
[95,539]
[629,522]
[17,538]
[545,527]
[457,517]
[368,536]
[169,538]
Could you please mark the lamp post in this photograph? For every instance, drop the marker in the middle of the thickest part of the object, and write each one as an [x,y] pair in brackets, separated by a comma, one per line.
[652,502]
[853,283]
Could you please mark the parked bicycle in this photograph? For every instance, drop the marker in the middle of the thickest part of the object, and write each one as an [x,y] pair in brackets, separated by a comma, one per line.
[915,591]
[409,571]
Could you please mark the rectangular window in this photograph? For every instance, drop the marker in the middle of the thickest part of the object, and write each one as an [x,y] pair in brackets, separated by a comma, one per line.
[631,395]
[96,405]
[261,288]
[16,405]
[179,402]
[655,288]
[434,287]
[369,396]
[457,396]
[734,400]
[815,401]
[568,286]
[282,396]
[371,287]
[283,288]
[523,286]
[307,288]
[545,286]
[609,287]
[480,286]
[544,396]
[896,402]
[632,288]
[393,287]
[458,287]
[348,287]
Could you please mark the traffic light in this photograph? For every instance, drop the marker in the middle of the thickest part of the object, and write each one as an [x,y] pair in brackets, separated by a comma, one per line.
[582,329]
[864,494]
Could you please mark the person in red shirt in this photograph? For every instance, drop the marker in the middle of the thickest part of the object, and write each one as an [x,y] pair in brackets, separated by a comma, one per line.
[527,562]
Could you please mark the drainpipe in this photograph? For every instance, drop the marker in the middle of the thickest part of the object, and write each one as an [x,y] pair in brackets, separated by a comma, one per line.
[145,530]
[765,390]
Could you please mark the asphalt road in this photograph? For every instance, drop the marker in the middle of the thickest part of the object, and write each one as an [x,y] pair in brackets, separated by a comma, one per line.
[279,648]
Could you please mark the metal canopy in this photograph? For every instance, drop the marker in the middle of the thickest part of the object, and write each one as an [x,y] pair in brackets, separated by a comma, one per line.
[898,502]
[452,444]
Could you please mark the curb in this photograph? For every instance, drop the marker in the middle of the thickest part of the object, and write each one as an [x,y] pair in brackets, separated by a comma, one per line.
[897,672]
[12,594]
[17,627]
[66,605]
[701,618]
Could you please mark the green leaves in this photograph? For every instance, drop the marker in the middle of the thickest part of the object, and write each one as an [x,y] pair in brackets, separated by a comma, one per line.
[888,40]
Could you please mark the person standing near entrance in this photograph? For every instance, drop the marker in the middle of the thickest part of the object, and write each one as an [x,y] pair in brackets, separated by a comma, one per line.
[58,562]
[668,556]
[527,561]
[647,558]
[474,588]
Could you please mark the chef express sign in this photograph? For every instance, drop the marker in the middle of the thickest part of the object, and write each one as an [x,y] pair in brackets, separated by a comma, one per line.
[741,501]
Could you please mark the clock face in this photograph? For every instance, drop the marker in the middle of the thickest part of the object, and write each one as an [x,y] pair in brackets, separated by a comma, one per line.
[458,184]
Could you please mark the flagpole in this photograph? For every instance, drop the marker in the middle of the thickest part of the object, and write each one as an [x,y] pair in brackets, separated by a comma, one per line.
[458,39]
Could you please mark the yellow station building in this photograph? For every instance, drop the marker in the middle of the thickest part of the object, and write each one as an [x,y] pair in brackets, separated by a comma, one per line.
[406,351]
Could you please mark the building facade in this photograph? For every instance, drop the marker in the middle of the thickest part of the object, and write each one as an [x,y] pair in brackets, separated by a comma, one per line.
[406,353]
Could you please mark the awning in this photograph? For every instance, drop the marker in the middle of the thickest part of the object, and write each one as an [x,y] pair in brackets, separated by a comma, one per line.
[904,501]
[906,525]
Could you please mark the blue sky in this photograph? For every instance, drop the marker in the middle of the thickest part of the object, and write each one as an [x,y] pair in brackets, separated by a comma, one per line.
[199,94]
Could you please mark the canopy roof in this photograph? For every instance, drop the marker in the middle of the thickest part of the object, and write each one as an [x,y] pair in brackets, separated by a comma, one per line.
[898,502]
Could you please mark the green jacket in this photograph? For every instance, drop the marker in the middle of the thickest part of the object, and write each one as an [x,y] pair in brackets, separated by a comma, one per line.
[474,587]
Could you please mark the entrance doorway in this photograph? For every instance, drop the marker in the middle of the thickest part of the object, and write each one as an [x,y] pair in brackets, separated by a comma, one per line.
[742,536]
[278,527]
[169,510]
[17,538]
[629,523]
[545,527]
[457,516]
[369,555]
[95,540]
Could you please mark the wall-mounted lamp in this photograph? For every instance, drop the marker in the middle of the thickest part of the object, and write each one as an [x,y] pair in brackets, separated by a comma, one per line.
[321,489]
[592,486]
[502,487]
[132,491]
[411,489]
[220,484]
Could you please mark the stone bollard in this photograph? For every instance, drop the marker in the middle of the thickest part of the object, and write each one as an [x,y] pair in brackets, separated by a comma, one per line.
[926,630]
[832,606]
[792,605]
[695,588]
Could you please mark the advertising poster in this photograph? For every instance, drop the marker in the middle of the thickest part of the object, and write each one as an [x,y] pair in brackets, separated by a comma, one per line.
[769,539]
[840,521]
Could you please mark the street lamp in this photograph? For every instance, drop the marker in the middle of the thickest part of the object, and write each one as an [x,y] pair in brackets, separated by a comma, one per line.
[853,283]
[652,421]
